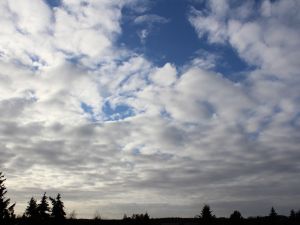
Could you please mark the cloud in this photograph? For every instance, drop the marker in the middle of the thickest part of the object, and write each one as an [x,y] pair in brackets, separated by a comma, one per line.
[191,130]
[273,84]
[150,19]
[164,76]
[41,38]
[259,42]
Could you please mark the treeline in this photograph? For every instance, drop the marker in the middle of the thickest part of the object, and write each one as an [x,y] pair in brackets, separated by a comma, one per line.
[35,213]
[43,213]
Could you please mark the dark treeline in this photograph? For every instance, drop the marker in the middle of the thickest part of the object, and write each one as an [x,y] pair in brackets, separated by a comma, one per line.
[43,213]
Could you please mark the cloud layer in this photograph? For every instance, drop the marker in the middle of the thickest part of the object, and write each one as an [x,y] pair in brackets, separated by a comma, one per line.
[112,131]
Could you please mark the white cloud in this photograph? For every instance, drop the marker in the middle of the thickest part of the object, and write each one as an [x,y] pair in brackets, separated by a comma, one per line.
[208,24]
[164,76]
[259,42]
[150,19]
[30,18]
[190,125]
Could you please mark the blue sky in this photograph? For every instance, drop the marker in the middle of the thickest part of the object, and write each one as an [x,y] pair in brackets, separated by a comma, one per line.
[128,106]
[175,40]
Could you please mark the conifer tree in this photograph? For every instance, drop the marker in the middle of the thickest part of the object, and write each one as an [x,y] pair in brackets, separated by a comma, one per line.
[206,213]
[273,213]
[32,209]
[6,210]
[273,216]
[43,208]
[58,211]
[292,214]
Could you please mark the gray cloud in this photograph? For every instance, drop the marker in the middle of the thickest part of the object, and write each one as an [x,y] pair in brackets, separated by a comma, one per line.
[195,136]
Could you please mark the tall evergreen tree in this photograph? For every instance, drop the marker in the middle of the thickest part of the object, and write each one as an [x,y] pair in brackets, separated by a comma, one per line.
[32,209]
[6,210]
[297,215]
[58,211]
[43,207]
[273,216]
[273,213]
[206,213]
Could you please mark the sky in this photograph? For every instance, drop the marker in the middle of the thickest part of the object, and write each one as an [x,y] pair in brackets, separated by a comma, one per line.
[128,106]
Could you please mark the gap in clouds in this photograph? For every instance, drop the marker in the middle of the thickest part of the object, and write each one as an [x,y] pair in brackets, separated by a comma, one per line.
[176,41]
[54,3]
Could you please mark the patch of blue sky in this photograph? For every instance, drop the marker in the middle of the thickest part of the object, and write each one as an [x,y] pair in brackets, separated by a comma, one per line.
[253,136]
[88,110]
[54,3]
[295,121]
[118,112]
[176,41]
[168,42]
[74,59]
[136,151]
[230,64]
[109,113]
[71,57]
[209,108]
[165,114]
[36,62]
[77,59]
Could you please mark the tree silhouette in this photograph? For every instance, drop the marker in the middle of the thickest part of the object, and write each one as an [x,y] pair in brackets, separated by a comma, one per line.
[58,211]
[6,210]
[297,215]
[97,215]
[146,216]
[206,213]
[32,209]
[43,208]
[139,218]
[273,213]
[125,217]
[236,216]
[273,216]
[292,215]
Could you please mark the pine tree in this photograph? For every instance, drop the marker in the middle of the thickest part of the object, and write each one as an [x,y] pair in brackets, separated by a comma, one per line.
[125,217]
[146,216]
[32,209]
[43,208]
[206,213]
[273,213]
[6,210]
[292,215]
[58,211]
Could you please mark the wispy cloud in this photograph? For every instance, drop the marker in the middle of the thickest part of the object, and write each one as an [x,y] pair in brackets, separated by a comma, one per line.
[148,21]
[168,131]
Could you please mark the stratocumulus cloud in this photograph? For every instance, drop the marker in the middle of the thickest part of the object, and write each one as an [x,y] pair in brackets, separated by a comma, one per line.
[83,115]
